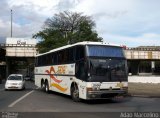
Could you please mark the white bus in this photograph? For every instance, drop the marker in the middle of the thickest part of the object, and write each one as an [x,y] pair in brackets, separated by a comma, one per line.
[85,70]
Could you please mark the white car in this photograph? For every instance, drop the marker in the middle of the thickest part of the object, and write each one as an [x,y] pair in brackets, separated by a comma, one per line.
[15,81]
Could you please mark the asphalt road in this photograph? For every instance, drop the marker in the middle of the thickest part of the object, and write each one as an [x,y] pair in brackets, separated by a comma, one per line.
[34,100]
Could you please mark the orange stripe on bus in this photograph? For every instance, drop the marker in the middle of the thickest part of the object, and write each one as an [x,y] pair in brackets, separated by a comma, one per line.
[52,76]
[59,87]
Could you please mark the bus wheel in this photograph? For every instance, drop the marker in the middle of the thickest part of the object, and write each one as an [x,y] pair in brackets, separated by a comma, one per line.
[75,93]
[42,85]
[46,87]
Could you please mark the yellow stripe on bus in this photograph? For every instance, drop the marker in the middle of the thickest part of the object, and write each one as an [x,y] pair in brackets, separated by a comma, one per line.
[59,87]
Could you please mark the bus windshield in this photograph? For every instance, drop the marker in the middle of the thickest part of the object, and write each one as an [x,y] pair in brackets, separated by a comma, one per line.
[108,70]
[106,63]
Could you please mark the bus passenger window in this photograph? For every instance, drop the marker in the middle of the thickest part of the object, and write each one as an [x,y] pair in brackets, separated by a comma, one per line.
[80,70]
[71,55]
[80,53]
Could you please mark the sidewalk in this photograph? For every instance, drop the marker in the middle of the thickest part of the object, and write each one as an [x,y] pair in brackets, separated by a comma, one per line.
[144,89]
[144,86]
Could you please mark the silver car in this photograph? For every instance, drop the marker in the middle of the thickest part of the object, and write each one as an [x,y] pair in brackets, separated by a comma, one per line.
[15,81]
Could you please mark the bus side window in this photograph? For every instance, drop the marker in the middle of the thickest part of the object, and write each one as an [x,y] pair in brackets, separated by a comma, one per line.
[65,56]
[59,57]
[80,53]
[70,55]
[36,61]
[80,70]
[43,60]
[48,59]
[40,61]
[53,58]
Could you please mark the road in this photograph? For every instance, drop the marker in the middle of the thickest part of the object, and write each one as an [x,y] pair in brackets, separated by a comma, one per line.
[35,100]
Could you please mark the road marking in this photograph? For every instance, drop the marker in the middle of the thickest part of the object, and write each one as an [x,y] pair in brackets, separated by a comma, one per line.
[15,102]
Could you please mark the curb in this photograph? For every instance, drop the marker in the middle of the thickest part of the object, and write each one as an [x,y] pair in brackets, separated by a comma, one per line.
[145,96]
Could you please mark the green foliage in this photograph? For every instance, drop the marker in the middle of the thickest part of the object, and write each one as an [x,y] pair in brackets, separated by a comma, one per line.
[66,28]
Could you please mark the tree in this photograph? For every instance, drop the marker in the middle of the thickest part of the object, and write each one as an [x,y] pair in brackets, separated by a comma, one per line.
[66,28]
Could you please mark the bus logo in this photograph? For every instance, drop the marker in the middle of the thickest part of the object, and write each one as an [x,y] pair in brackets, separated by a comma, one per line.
[56,81]
[61,69]
[119,85]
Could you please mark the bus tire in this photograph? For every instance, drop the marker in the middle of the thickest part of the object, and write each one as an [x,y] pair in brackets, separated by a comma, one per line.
[75,93]
[46,87]
[42,85]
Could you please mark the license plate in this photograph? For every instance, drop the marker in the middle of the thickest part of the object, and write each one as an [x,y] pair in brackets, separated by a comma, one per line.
[14,84]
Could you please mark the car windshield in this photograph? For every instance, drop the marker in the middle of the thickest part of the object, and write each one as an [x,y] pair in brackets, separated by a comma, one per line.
[15,78]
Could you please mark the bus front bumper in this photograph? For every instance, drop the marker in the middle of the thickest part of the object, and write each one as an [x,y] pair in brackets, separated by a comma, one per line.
[104,94]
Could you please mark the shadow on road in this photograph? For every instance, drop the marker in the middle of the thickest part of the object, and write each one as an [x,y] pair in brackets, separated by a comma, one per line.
[107,101]
[98,101]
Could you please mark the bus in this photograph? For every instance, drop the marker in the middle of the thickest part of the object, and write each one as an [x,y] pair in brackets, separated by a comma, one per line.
[85,70]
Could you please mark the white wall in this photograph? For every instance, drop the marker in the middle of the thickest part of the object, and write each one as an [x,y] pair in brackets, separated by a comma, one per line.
[144,79]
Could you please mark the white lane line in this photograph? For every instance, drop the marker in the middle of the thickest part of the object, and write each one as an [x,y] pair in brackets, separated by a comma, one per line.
[21,98]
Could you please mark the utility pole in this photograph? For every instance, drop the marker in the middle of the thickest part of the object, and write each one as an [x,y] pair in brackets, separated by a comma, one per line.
[11,22]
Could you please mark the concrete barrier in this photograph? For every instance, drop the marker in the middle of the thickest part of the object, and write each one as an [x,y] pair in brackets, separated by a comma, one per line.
[144,79]
[144,86]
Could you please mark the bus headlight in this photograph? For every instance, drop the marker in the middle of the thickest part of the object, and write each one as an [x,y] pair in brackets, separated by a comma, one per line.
[96,86]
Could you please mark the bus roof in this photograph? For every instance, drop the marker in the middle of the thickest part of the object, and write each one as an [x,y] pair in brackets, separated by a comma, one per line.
[80,43]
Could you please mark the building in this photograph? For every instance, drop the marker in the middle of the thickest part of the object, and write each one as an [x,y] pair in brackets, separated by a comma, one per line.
[143,60]
[18,56]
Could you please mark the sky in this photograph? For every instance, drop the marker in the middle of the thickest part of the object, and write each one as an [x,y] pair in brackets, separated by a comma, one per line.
[127,22]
